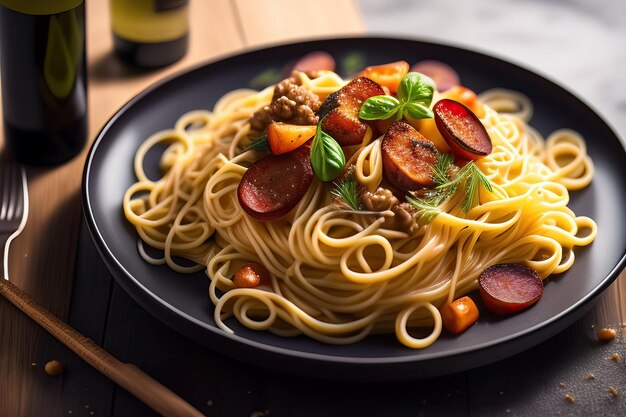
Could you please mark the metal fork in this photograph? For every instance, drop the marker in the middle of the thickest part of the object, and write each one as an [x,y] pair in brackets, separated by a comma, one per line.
[13,215]
[13,209]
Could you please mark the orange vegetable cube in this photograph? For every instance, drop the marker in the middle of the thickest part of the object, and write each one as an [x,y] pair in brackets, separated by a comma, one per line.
[284,137]
[458,315]
[465,96]
[387,75]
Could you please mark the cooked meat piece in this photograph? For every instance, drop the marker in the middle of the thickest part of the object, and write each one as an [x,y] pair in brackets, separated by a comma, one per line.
[405,217]
[292,103]
[381,200]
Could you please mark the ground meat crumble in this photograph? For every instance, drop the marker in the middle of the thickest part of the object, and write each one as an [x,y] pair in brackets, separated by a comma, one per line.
[405,215]
[291,103]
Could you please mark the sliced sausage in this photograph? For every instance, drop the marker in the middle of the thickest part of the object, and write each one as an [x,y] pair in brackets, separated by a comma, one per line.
[274,185]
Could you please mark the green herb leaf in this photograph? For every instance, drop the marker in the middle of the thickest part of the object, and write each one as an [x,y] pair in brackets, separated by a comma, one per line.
[428,207]
[327,158]
[417,111]
[415,93]
[347,190]
[440,170]
[468,180]
[416,87]
[474,179]
[379,107]
[260,144]
[265,78]
[352,63]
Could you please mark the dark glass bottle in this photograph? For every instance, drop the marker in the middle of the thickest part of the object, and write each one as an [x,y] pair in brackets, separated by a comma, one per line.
[150,33]
[44,79]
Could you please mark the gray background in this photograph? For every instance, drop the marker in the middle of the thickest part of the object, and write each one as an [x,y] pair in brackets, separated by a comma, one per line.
[580,44]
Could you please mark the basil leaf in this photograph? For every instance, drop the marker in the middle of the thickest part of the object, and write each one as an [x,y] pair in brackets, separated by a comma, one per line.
[379,107]
[416,87]
[327,158]
[417,111]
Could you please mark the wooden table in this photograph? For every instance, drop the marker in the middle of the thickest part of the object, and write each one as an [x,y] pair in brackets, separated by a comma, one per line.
[75,285]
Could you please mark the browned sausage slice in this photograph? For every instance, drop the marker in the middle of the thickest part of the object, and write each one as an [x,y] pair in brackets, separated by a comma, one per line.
[444,75]
[314,61]
[342,110]
[462,130]
[408,157]
[509,288]
[274,185]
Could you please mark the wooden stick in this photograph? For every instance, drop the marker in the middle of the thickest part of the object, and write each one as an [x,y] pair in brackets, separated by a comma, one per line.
[126,375]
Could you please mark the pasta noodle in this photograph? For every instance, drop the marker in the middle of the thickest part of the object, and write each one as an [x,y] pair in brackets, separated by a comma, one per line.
[338,275]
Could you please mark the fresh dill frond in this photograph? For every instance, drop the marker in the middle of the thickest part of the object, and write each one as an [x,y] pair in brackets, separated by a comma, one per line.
[260,144]
[441,167]
[469,197]
[474,179]
[347,190]
[467,180]
[428,208]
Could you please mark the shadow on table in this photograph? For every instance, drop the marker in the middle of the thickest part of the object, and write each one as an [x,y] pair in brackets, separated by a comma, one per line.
[109,67]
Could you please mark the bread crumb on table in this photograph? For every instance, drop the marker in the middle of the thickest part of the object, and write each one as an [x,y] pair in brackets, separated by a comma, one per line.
[54,368]
[613,391]
[570,398]
[606,334]
[590,377]
[616,357]
[562,384]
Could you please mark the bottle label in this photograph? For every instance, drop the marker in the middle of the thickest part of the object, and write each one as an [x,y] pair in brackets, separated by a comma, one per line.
[164,5]
[40,7]
[149,21]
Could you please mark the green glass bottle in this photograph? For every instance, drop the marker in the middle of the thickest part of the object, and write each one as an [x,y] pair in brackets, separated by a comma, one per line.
[44,79]
[150,33]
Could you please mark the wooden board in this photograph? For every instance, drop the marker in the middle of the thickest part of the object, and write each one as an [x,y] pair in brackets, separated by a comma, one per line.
[44,263]
[43,257]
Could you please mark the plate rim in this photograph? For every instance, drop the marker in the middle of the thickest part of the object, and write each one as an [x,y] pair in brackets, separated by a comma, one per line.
[144,295]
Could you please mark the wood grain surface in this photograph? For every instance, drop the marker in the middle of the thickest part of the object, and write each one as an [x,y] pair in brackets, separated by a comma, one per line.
[75,285]
[43,258]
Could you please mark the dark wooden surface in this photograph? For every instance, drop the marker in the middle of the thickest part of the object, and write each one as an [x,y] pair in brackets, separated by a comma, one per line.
[523,385]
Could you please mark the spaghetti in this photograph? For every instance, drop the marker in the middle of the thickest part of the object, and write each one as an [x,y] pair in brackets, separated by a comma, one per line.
[338,275]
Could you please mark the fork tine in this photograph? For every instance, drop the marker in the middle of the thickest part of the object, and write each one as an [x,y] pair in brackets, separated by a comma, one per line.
[13,191]
[19,205]
[4,181]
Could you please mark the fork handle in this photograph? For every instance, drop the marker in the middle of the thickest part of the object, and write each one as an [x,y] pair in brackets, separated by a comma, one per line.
[126,375]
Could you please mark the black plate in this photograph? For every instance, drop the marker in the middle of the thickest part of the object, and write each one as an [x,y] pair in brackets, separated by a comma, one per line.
[181,301]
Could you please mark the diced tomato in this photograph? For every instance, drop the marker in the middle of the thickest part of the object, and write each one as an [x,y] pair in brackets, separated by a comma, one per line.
[284,137]
[387,75]
[465,96]
[460,314]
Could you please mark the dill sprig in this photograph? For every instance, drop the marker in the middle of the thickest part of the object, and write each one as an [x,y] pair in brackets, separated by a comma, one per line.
[261,144]
[468,180]
[428,206]
[474,179]
[441,168]
[347,190]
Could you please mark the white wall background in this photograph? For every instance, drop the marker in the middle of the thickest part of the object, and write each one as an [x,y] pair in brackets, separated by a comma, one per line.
[581,44]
